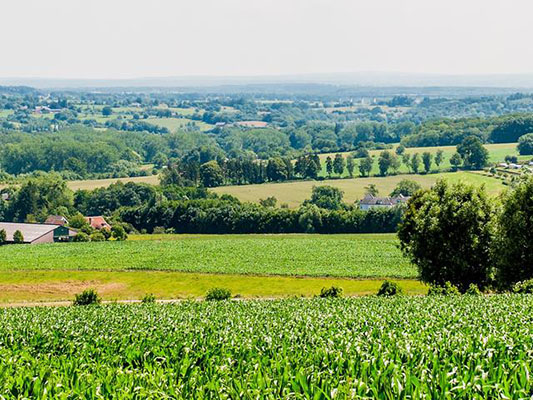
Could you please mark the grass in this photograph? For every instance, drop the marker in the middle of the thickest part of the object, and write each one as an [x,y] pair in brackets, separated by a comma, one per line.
[294,193]
[173,124]
[462,347]
[354,256]
[91,184]
[43,286]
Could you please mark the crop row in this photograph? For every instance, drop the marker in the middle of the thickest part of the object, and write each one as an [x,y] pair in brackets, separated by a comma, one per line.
[427,347]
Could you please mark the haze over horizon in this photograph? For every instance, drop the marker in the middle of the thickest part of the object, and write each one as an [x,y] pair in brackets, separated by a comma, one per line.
[129,40]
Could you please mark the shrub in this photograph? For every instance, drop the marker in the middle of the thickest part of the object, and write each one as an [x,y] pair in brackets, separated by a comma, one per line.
[97,237]
[448,233]
[444,290]
[389,288]
[81,237]
[119,233]
[17,237]
[218,294]
[524,287]
[334,291]
[148,298]
[87,297]
[158,230]
[473,290]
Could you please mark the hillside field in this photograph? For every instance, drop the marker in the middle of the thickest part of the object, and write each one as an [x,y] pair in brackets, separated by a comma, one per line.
[463,347]
[294,193]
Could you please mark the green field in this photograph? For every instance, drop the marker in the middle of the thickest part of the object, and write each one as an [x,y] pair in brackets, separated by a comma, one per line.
[497,153]
[354,256]
[294,193]
[388,348]
[173,124]
[91,184]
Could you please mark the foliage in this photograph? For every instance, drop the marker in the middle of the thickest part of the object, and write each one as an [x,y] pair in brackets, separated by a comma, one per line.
[316,349]
[524,287]
[331,292]
[118,233]
[17,237]
[525,144]
[218,294]
[514,243]
[446,289]
[406,188]
[97,237]
[211,174]
[473,290]
[87,297]
[448,233]
[473,153]
[148,298]
[389,288]
[327,197]
[3,236]
[81,237]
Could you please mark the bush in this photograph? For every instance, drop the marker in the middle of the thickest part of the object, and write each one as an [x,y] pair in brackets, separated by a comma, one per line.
[444,290]
[448,233]
[87,297]
[17,237]
[524,287]
[97,237]
[159,230]
[218,294]
[389,288]
[331,292]
[473,290]
[148,299]
[81,237]
[119,233]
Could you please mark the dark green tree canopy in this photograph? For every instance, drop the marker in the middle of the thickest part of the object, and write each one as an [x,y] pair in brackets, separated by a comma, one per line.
[473,153]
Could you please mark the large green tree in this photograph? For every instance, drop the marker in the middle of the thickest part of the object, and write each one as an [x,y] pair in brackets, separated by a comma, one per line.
[211,174]
[525,144]
[473,153]
[448,232]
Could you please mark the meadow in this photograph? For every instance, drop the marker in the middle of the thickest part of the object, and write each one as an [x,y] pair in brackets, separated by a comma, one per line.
[352,256]
[388,348]
[295,192]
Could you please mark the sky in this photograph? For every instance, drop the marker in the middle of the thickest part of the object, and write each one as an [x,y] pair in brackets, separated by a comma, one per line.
[110,39]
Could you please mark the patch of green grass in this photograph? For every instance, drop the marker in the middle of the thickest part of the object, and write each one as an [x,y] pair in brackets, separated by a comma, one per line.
[40,286]
[355,256]
[294,193]
[173,124]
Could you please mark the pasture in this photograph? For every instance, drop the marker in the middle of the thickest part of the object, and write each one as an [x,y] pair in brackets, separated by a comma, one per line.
[390,348]
[91,184]
[173,124]
[295,192]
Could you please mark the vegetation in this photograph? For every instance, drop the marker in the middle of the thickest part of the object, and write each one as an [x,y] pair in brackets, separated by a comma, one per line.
[217,294]
[389,288]
[331,292]
[314,347]
[87,297]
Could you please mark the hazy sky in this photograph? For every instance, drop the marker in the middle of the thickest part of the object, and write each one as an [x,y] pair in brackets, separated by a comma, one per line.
[132,38]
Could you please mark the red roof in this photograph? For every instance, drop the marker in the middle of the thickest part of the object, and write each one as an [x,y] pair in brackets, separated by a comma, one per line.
[98,222]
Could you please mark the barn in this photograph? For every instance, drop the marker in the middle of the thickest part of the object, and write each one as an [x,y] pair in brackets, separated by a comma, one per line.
[37,233]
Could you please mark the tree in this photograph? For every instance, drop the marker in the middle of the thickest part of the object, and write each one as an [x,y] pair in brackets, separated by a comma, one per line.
[400,149]
[473,153]
[107,111]
[328,197]
[17,237]
[276,170]
[415,162]
[211,174]
[384,162]
[406,160]
[3,236]
[525,144]
[268,202]
[439,157]
[350,165]
[447,232]
[81,237]
[338,164]
[514,243]
[329,166]
[365,166]
[406,188]
[371,189]
[119,233]
[456,161]
[426,159]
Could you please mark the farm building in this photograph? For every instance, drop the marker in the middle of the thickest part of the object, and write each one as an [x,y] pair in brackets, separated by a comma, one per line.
[98,222]
[56,220]
[371,201]
[37,233]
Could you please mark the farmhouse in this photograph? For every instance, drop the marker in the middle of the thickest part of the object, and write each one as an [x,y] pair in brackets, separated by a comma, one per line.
[37,233]
[56,220]
[98,222]
[371,201]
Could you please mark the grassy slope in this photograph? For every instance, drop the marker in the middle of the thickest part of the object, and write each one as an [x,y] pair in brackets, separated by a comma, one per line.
[97,183]
[294,193]
[355,256]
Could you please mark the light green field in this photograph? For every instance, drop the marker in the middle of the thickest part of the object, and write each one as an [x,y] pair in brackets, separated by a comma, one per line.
[294,193]
[45,286]
[497,153]
[91,184]
[350,255]
[173,124]
[5,113]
